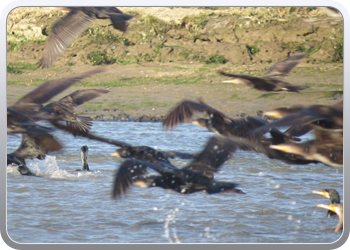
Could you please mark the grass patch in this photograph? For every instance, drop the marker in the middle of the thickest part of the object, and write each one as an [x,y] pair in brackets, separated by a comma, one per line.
[33,82]
[19,68]
[153,104]
[156,26]
[104,36]
[338,51]
[217,59]
[274,96]
[253,49]
[329,94]
[99,58]
[236,97]
[140,81]
[193,23]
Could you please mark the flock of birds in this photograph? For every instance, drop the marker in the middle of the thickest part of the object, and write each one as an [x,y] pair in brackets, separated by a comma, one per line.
[248,133]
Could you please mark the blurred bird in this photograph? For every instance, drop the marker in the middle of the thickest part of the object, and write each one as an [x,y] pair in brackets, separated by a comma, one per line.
[20,115]
[198,175]
[338,209]
[32,146]
[268,82]
[66,30]
[216,121]
[63,109]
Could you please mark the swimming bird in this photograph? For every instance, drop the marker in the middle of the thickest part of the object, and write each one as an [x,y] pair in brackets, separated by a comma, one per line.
[20,115]
[268,82]
[216,121]
[331,194]
[66,30]
[197,176]
[63,109]
[84,156]
[338,209]
[32,146]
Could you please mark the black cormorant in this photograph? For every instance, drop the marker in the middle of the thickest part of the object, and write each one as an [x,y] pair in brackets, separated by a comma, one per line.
[26,109]
[268,82]
[67,29]
[327,123]
[216,121]
[338,209]
[331,194]
[84,150]
[198,175]
[32,146]
[63,109]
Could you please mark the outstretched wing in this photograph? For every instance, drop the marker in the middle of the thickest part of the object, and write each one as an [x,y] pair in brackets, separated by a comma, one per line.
[63,34]
[284,67]
[216,152]
[131,171]
[185,111]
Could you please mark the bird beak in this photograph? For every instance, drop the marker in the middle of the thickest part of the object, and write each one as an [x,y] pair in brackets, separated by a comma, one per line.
[140,184]
[281,147]
[116,153]
[273,114]
[234,81]
[328,207]
[325,194]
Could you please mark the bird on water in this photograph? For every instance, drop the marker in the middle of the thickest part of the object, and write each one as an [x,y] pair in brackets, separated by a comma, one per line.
[331,194]
[338,209]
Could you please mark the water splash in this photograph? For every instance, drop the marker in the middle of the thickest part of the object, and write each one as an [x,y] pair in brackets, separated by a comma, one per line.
[170,219]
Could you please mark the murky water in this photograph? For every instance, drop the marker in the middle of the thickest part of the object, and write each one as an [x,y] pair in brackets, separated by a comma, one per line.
[67,206]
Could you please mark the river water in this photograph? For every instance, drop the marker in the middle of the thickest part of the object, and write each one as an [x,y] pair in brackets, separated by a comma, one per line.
[68,206]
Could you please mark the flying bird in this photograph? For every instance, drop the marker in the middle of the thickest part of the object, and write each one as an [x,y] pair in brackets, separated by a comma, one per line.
[216,121]
[33,146]
[63,109]
[66,30]
[269,82]
[197,176]
[22,114]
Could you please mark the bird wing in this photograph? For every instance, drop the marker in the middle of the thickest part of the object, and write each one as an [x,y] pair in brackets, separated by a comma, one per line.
[87,134]
[17,122]
[117,17]
[313,114]
[284,67]
[185,111]
[131,171]
[215,153]
[63,34]
[36,146]
[81,96]
[49,89]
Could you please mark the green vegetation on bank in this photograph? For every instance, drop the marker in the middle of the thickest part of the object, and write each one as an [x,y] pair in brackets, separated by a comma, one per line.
[153,39]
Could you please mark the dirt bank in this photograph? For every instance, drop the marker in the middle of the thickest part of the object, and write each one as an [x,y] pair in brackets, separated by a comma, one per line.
[173,53]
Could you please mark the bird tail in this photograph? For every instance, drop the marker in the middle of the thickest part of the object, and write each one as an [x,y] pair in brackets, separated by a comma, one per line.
[296,88]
